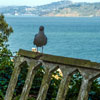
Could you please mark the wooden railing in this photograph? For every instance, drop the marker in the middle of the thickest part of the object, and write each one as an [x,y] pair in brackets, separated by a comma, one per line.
[89,71]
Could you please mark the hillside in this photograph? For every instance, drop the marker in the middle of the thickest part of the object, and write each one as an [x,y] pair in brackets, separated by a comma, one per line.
[78,9]
[61,8]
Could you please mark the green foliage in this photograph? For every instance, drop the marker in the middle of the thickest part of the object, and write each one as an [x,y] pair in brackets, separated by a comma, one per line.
[95,90]
[1,95]
[21,80]
[4,78]
[31,99]
[37,82]
[54,85]
[5,31]
[6,64]
[74,87]
[18,97]
[5,59]
[5,53]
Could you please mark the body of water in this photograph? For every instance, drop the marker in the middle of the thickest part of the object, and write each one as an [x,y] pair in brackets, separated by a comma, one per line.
[67,36]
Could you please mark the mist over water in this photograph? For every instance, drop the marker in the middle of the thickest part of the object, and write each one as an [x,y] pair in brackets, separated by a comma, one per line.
[75,37]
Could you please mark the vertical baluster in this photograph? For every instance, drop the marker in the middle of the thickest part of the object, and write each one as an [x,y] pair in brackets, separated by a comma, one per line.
[85,88]
[63,88]
[88,77]
[49,69]
[29,79]
[14,78]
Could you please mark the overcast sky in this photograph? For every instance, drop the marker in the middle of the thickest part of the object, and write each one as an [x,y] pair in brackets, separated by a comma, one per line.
[35,2]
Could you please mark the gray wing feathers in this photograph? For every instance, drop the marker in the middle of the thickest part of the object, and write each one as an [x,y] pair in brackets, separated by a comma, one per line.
[45,40]
[34,42]
[40,40]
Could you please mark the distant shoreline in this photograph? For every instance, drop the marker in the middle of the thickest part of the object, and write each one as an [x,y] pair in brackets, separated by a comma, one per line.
[46,16]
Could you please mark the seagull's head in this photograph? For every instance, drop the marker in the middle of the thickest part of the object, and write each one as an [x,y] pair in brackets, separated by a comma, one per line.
[41,28]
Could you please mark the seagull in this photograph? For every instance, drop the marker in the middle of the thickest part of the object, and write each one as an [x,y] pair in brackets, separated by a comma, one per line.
[40,39]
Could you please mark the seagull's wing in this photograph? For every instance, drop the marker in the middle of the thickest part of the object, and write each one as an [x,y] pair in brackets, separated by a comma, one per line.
[34,42]
[46,40]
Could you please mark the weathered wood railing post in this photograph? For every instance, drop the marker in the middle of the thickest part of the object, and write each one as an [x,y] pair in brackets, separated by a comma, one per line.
[14,78]
[49,69]
[63,88]
[29,79]
[88,77]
